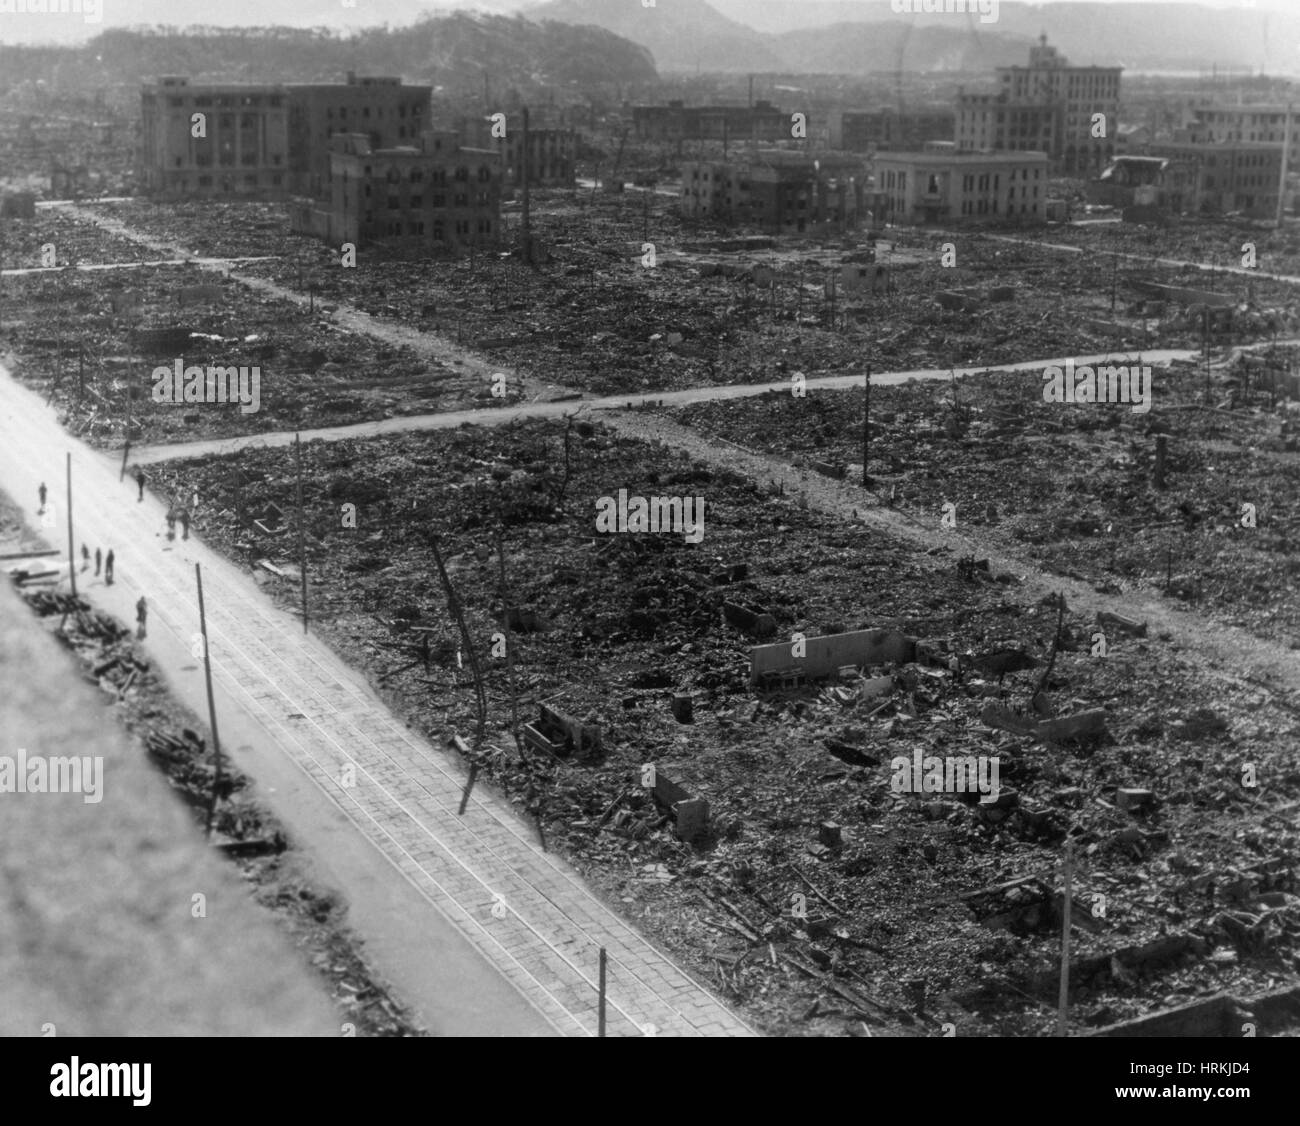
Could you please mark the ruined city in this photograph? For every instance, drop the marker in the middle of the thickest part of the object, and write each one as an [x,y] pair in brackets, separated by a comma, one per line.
[672,518]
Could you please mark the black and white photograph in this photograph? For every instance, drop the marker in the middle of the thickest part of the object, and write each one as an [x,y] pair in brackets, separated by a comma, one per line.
[745,519]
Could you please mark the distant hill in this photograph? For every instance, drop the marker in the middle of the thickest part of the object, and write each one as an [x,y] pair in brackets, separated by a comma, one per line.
[681,34]
[453,53]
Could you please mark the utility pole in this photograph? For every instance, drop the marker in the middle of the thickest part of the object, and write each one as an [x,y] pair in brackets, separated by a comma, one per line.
[302,529]
[528,220]
[866,423]
[1286,156]
[72,566]
[212,707]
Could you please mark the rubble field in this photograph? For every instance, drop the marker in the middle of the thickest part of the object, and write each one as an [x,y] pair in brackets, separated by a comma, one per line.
[313,918]
[313,372]
[1071,486]
[821,899]
[593,317]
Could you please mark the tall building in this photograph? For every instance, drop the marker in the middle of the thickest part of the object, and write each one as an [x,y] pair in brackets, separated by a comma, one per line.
[1047,106]
[243,148]
[382,109]
[945,186]
[267,141]
[431,196]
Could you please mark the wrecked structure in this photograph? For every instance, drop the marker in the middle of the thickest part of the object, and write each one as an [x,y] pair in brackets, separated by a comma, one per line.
[776,191]
[437,196]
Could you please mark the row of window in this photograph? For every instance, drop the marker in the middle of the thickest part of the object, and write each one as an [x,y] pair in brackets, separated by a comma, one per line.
[204,101]
[365,111]
[227,182]
[395,229]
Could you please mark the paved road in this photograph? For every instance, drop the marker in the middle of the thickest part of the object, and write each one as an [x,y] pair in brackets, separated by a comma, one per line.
[446,420]
[319,714]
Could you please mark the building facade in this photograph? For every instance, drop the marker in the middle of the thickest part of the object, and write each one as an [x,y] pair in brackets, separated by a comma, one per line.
[1230,177]
[679,122]
[863,130]
[776,192]
[243,149]
[387,112]
[1212,123]
[267,141]
[552,151]
[1047,106]
[434,197]
[945,186]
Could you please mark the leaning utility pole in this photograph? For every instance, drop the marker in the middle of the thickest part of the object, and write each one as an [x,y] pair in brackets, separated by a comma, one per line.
[866,423]
[212,708]
[453,604]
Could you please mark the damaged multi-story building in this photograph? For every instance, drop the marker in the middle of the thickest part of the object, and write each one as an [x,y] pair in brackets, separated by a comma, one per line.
[779,192]
[434,195]
[1047,106]
[267,141]
[551,148]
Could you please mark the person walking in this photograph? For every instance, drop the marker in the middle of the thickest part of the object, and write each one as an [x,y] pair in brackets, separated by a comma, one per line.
[171,523]
[185,523]
[141,614]
[140,480]
[108,567]
[41,494]
[85,558]
[99,559]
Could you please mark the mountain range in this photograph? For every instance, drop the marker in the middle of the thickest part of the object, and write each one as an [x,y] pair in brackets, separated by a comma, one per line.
[805,36]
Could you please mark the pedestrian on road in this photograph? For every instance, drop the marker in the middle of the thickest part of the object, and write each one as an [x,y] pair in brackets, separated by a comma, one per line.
[185,523]
[108,568]
[171,524]
[41,492]
[140,480]
[141,613]
[85,558]
[99,559]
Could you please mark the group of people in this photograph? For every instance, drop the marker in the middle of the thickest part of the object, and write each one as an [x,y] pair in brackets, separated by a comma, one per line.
[105,562]
[100,559]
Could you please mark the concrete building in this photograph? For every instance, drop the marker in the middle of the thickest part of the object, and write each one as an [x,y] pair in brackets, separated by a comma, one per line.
[678,122]
[436,196]
[777,192]
[1230,177]
[552,150]
[1047,106]
[1216,123]
[943,185]
[267,141]
[244,150]
[860,130]
[385,111]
